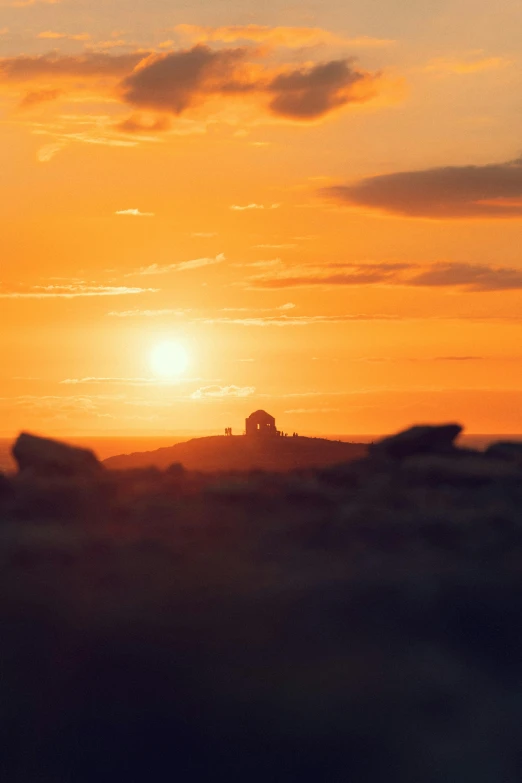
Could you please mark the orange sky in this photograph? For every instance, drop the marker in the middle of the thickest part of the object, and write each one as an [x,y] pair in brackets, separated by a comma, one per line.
[321,205]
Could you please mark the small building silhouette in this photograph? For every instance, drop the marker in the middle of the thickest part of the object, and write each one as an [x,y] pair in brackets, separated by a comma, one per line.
[261,424]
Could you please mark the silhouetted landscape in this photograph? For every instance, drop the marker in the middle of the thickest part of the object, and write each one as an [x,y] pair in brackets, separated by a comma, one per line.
[245,247]
[359,621]
[242,453]
[262,447]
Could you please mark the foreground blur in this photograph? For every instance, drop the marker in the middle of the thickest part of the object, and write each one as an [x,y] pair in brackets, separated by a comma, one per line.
[359,622]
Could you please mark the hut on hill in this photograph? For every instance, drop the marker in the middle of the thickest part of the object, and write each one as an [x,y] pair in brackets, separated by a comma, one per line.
[261,424]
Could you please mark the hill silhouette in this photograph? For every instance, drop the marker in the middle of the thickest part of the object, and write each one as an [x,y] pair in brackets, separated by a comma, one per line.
[220,453]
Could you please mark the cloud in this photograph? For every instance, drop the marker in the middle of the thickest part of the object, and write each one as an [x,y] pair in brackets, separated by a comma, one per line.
[54,407]
[275,36]
[276,247]
[93,380]
[27,3]
[73,291]
[331,275]
[111,43]
[249,207]
[47,153]
[134,213]
[468,66]
[283,307]
[204,234]
[26,68]
[296,320]
[312,410]
[50,35]
[196,263]
[177,81]
[309,93]
[207,392]
[470,278]
[261,264]
[138,124]
[36,97]
[459,358]
[450,192]
[146,313]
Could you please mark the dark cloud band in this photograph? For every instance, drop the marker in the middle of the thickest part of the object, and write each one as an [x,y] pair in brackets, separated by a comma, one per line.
[173,83]
[472,278]
[492,191]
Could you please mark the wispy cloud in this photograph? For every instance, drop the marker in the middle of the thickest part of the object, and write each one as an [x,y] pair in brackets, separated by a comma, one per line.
[312,410]
[277,247]
[73,291]
[253,206]
[37,97]
[296,320]
[287,306]
[147,313]
[102,381]
[54,36]
[47,153]
[261,264]
[275,36]
[459,358]
[27,3]
[134,213]
[207,392]
[138,124]
[162,269]
[88,65]
[466,66]
[330,274]
[204,234]
[470,278]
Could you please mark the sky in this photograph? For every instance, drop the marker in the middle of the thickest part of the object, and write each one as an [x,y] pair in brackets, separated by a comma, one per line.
[209,208]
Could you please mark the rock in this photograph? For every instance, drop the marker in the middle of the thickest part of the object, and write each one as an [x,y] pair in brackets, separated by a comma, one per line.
[464,471]
[6,488]
[505,450]
[418,440]
[53,458]
[175,470]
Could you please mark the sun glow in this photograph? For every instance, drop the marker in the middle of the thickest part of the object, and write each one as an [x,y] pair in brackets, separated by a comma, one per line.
[169,359]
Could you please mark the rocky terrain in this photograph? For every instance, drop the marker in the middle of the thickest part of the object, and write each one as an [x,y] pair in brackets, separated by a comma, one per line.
[360,622]
[220,453]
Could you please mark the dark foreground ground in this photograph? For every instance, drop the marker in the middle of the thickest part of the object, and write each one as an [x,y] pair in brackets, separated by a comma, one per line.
[358,623]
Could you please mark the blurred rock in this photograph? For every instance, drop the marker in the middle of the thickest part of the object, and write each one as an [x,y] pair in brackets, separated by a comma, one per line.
[6,488]
[47,457]
[418,440]
[175,470]
[505,450]
[459,470]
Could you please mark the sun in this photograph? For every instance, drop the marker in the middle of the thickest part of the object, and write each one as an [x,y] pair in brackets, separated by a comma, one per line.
[169,359]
